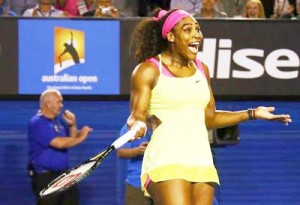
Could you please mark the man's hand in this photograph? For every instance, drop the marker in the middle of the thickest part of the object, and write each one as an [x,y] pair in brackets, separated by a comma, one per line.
[84,132]
[142,147]
[69,117]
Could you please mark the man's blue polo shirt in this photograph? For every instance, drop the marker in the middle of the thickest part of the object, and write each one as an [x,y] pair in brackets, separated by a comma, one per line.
[41,131]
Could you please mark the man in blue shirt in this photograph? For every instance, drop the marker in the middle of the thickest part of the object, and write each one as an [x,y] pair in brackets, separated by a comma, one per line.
[133,152]
[49,137]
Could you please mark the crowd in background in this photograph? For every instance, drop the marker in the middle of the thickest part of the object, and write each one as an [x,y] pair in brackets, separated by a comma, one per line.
[271,9]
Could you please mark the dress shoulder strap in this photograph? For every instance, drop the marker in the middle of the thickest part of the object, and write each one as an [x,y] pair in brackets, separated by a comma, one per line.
[199,66]
[154,61]
[160,66]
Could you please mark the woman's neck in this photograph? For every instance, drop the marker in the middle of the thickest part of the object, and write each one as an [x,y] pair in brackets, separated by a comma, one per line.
[176,60]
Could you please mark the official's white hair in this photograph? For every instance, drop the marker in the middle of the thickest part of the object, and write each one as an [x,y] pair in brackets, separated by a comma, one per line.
[47,93]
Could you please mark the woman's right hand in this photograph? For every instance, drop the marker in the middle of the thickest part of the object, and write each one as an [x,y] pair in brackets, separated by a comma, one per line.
[141,129]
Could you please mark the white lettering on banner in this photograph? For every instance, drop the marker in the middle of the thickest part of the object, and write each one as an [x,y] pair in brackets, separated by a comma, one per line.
[277,64]
[224,58]
[73,87]
[59,78]
[273,62]
[255,69]
[88,79]
[69,79]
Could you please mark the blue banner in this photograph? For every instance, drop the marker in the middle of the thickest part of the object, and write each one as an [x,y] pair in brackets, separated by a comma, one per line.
[74,56]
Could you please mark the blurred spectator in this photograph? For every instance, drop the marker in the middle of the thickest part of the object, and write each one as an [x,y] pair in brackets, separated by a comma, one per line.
[44,8]
[283,9]
[191,6]
[5,9]
[208,10]
[233,8]
[74,7]
[19,6]
[254,9]
[146,6]
[104,8]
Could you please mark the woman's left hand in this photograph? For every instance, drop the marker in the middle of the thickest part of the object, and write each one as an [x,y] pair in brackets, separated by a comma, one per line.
[265,113]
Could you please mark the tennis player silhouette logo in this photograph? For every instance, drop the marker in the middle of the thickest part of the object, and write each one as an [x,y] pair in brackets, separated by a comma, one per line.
[68,48]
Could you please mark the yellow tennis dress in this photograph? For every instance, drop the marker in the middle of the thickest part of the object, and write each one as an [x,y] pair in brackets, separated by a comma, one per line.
[179,147]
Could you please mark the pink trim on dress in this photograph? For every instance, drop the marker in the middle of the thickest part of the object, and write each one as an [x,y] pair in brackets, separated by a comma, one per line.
[147,182]
[200,67]
[166,72]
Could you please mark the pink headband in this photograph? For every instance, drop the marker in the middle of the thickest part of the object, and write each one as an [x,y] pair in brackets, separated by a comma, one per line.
[171,20]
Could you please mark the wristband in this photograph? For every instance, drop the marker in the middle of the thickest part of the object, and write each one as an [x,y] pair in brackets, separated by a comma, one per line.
[251,114]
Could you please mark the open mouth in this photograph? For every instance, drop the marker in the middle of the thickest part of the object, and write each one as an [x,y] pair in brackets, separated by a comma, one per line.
[194,47]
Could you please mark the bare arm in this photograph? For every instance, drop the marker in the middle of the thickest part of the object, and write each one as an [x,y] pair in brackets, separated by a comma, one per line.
[143,80]
[75,137]
[67,142]
[128,153]
[219,118]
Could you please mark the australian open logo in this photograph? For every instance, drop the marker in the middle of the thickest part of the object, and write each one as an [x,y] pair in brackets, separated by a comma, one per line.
[69,48]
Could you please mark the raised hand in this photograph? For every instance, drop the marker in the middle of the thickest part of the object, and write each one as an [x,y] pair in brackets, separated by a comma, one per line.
[69,117]
[265,113]
[84,132]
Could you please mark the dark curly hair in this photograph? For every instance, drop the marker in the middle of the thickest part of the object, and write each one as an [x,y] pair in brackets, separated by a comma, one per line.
[146,40]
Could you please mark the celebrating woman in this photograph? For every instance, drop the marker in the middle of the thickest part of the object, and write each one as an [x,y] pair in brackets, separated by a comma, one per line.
[172,88]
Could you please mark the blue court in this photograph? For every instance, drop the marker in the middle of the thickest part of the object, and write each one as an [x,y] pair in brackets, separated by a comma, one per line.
[263,169]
